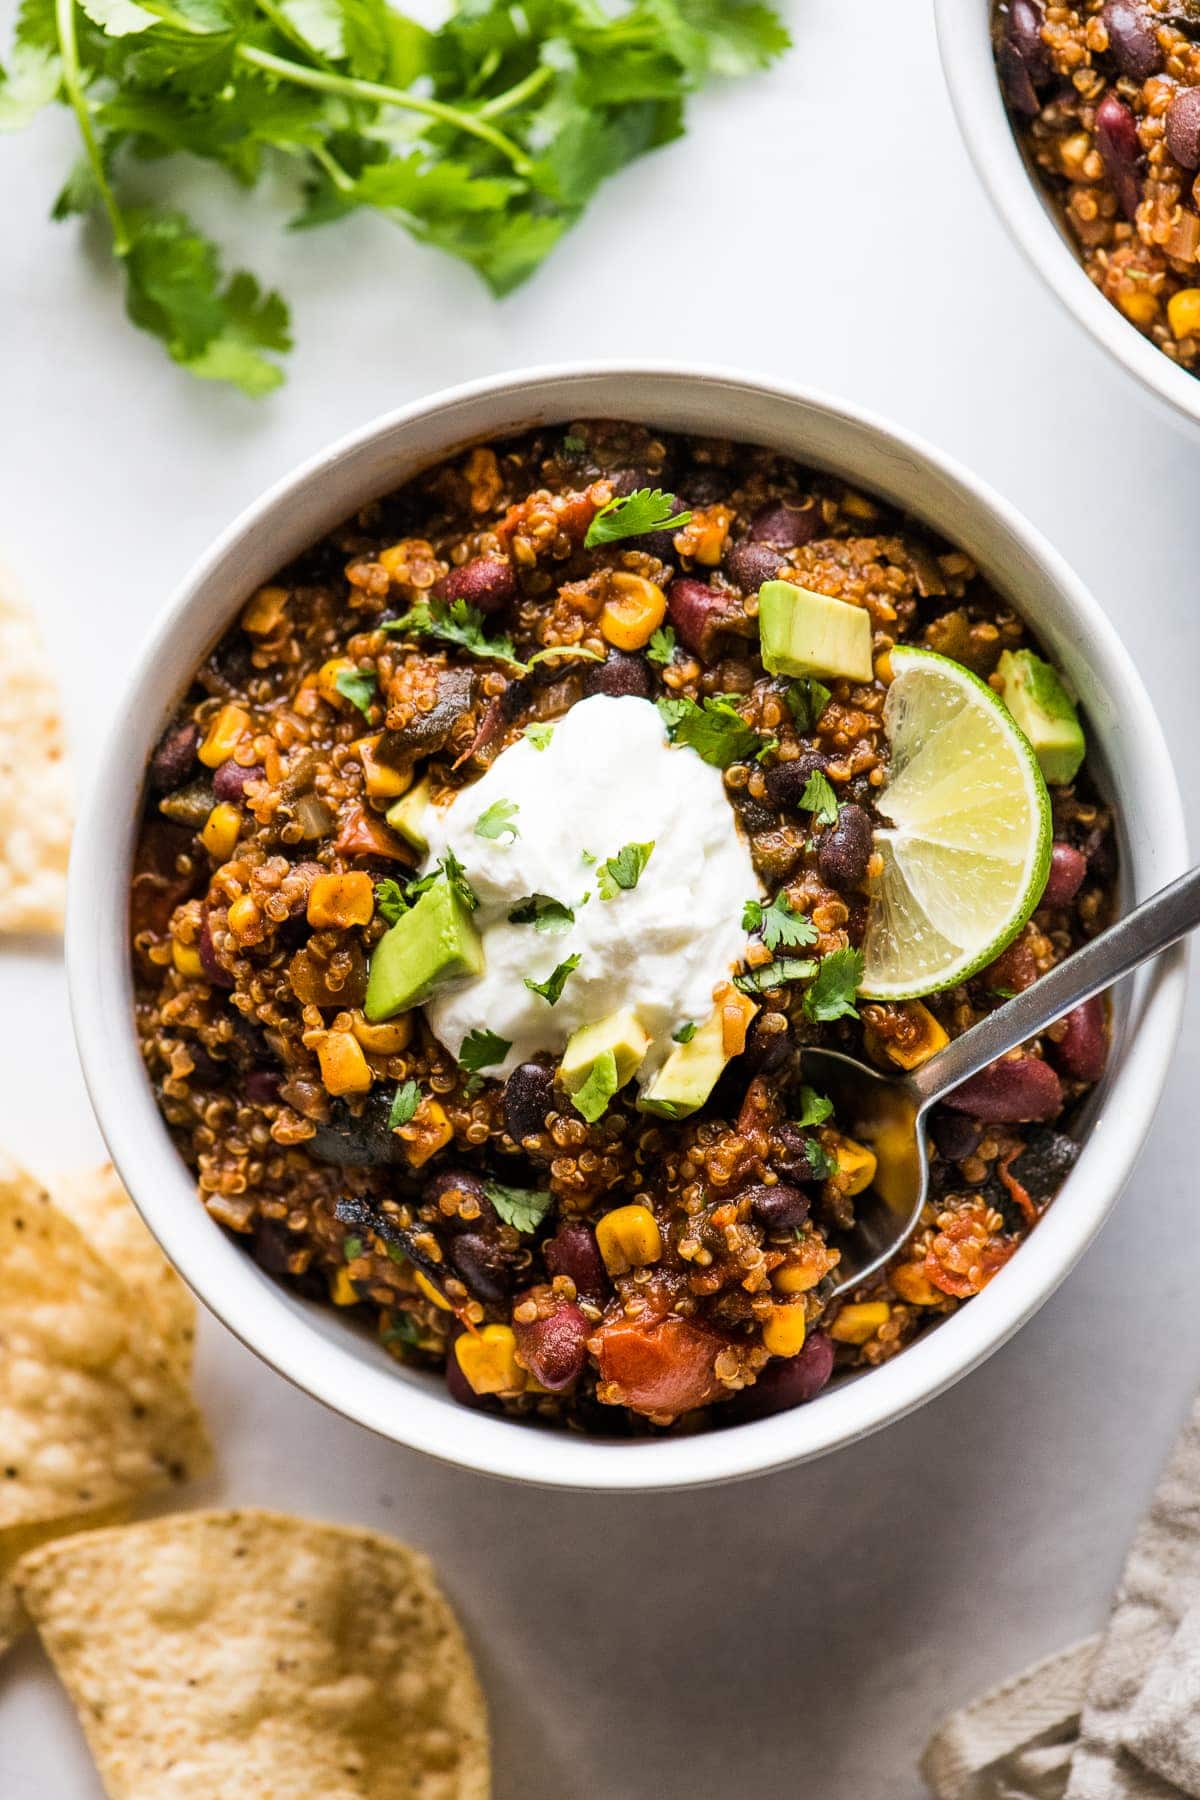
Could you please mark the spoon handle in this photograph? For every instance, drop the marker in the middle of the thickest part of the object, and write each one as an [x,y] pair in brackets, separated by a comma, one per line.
[1149,929]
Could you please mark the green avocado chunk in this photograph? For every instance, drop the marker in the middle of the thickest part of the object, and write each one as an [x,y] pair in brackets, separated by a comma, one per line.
[1034,694]
[435,942]
[405,815]
[803,633]
[601,1058]
[692,1070]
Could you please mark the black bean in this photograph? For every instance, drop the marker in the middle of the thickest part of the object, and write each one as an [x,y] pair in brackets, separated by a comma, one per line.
[787,524]
[784,1383]
[845,848]
[481,1264]
[1045,1162]
[754,815]
[174,757]
[955,1135]
[781,1208]
[786,781]
[748,564]
[1120,148]
[1183,128]
[528,1097]
[619,674]
[791,1155]
[769,1043]
[1132,38]
[463,1182]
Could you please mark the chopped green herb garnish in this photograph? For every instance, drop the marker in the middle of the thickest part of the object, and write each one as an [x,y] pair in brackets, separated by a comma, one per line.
[624,870]
[775,974]
[481,1049]
[551,989]
[405,1102]
[818,1159]
[544,913]
[452,871]
[357,686]
[574,446]
[389,900]
[649,509]
[831,995]
[591,1100]
[522,1208]
[539,735]
[716,731]
[661,648]
[459,624]
[779,923]
[814,1108]
[497,820]
[807,699]
[685,1033]
[352,1248]
[587,857]
[403,1330]
[1003,993]
[819,799]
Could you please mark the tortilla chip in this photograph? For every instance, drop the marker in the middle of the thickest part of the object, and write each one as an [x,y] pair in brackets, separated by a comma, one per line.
[19,1541]
[91,1412]
[260,1657]
[108,1219]
[35,785]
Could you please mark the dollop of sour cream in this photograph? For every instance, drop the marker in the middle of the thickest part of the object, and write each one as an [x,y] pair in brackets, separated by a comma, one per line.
[607,777]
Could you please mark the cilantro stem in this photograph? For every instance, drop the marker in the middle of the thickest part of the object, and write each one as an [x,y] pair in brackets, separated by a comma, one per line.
[341,181]
[517,95]
[64,18]
[327,81]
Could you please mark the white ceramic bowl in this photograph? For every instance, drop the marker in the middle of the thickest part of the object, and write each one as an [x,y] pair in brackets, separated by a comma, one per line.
[312,1345]
[964,37]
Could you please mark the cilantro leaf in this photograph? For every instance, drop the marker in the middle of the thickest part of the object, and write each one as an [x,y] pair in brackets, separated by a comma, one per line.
[831,995]
[539,735]
[716,731]
[775,974]
[661,648]
[819,799]
[402,1330]
[389,900]
[685,1033]
[522,1208]
[452,871]
[624,870]
[551,989]
[818,1159]
[30,81]
[481,1049]
[591,1100]
[649,509]
[814,1108]
[357,686]
[352,1248]
[497,820]
[459,624]
[405,1102]
[544,913]
[779,923]
[807,699]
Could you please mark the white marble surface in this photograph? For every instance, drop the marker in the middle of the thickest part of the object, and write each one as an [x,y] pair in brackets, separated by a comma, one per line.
[803,1631]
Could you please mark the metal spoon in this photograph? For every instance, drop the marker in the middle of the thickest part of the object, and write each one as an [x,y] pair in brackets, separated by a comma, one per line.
[891,1112]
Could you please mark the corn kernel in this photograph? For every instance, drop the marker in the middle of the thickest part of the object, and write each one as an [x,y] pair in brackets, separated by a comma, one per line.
[488,1360]
[922,1038]
[629,1238]
[335,902]
[857,1163]
[223,736]
[913,1285]
[344,1068]
[327,676]
[220,832]
[784,1332]
[1183,311]
[795,1278]
[634,612]
[383,1040]
[860,1321]
[342,1290]
[382,781]
[246,920]
[428,1131]
[187,960]
[426,1287]
[264,611]
[1140,306]
[394,560]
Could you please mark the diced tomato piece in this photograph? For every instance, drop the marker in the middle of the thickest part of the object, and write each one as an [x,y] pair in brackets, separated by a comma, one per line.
[666,1367]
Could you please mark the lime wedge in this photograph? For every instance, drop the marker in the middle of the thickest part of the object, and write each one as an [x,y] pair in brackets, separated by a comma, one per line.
[966,851]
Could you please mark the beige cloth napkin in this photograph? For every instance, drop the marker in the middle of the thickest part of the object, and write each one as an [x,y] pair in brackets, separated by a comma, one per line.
[1116,1717]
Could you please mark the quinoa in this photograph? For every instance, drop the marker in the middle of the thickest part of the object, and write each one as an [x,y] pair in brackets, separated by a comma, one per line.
[289,1105]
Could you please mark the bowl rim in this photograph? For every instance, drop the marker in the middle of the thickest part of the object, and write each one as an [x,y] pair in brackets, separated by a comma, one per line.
[965,47]
[308,1352]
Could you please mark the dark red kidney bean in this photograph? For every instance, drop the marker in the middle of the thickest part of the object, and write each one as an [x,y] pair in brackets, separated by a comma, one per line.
[1132,38]
[230,778]
[778,1208]
[845,848]
[219,976]
[481,1265]
[1119,146]
[555,1349]
[487,582]
[1068,867]
[748,564]
[528,1097]
[1015,1091]
[619,674]
[1082,1050]
[786,781]
[174,757]
[696,612]
[785,1382]
[955,1135]
[1016,81]
[1183,128]
[1025,21]
[574,1252]
[787,524]
[261,1086]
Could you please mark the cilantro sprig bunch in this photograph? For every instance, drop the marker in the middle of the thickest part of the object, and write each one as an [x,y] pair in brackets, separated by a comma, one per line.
[486,137]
